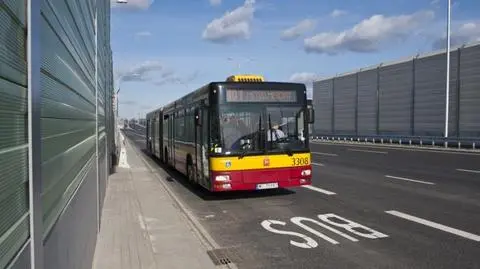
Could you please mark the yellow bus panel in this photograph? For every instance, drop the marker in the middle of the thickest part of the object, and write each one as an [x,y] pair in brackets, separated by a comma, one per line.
[259,162]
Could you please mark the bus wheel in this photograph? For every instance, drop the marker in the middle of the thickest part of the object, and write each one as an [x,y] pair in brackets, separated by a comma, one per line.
[190,173]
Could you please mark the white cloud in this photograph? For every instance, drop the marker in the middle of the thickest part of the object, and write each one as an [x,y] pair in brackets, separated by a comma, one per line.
[307,79]
[133,4]
[369,35]
[466,33]
[144,34]
[298,30]
[434,2]
[141,72]
[304,77]
[232,25]
[155,72]
[215,2]
[169,77]
[338,12]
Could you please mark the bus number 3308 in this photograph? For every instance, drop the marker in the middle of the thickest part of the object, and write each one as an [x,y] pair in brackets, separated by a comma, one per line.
[300,161]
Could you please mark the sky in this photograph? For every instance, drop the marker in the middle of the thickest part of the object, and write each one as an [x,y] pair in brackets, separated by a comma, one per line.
[164,49]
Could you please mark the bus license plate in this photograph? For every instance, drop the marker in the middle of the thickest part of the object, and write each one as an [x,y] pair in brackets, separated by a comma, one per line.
[267,186]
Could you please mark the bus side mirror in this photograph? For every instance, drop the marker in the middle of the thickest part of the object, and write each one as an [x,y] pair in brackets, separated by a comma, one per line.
[198,117]
[310,115]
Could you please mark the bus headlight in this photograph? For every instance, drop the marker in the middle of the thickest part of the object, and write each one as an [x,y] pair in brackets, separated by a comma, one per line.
[222,178]
[307,172]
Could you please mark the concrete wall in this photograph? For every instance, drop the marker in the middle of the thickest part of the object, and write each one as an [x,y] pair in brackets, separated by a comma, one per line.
[405,98]
[71,67]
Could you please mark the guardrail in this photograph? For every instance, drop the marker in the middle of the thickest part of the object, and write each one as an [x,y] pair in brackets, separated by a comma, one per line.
[451,142]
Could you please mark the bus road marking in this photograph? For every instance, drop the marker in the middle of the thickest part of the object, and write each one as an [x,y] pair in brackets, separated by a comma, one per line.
[435,225]
[469,171]
[330,222]
[313,188]
[318,164]
[325,154]
[368,151]
[411,180]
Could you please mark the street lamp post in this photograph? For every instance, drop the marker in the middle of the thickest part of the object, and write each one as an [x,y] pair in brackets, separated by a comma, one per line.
[447,92]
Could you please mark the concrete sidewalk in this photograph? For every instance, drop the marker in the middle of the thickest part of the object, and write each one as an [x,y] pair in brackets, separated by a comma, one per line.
[142,226]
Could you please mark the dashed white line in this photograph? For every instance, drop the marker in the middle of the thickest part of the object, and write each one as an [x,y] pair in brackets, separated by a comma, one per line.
[369,151]
[469,171]
[435,225]
[411,180]
[313,188]
[318,164]
[325,153]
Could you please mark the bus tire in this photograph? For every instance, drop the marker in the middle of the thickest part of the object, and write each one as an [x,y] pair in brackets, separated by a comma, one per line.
[190,171]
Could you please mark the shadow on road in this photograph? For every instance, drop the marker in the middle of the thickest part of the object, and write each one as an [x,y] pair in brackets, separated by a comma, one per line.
[175,176]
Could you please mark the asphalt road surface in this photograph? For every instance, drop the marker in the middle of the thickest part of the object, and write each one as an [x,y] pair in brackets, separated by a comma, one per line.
[368,207]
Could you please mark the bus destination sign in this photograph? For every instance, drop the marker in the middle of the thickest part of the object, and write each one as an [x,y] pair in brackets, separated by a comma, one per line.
[257,96]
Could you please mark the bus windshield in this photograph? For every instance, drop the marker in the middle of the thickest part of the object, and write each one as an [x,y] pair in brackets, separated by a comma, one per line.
[251,129]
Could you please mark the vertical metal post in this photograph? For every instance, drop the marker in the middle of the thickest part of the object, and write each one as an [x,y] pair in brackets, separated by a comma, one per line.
[447,92]
[96,113]
[412,109]
[333,106]
[378,100]
[458,85]
[356,103]
[34,60]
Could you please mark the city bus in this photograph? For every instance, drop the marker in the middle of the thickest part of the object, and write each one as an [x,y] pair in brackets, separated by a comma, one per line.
[243,133]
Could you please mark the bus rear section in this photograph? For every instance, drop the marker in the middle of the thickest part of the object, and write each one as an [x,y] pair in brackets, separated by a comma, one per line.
[260,172]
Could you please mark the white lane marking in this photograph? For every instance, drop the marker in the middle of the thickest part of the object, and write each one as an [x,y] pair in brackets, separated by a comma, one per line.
[411,180]
[318,164]
[123,163]
[435,225]
[404,148]
[325,153]
[351,226]
[469,171]
[368,151]
[142,222]
[330,222]
[298,222]
[313,188]
[309,242]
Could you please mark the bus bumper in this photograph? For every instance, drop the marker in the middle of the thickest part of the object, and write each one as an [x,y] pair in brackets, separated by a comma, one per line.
[261,179]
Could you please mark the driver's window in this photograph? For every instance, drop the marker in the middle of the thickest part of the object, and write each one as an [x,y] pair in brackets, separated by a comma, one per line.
[301,125]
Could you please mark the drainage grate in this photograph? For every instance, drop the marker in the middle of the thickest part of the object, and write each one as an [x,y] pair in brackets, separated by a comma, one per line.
[222,256]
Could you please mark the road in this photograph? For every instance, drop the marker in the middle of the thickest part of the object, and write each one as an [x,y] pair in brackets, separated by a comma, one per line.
[369,207]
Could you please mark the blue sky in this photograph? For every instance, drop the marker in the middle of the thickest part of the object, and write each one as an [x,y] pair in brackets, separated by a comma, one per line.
[164,49]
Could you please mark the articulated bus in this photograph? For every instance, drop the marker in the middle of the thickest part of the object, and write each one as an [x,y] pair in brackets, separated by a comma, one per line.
[241,134]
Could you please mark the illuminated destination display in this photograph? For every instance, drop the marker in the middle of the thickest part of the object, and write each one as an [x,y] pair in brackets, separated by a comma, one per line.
[261,96]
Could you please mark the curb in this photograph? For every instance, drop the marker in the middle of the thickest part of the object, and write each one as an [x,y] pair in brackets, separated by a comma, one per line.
[207,241]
